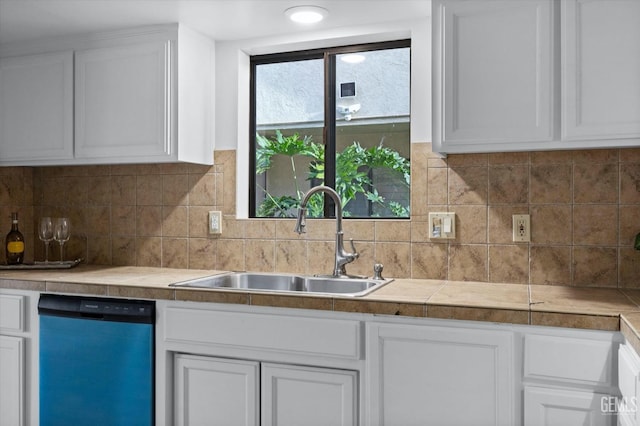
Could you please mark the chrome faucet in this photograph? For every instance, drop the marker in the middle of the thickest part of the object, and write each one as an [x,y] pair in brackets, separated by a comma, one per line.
[342,257]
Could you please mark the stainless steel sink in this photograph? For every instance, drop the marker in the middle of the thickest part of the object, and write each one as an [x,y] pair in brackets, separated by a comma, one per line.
[271,282]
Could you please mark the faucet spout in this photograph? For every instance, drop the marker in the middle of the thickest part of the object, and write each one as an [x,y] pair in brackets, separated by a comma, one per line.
[342,257]
[301,222]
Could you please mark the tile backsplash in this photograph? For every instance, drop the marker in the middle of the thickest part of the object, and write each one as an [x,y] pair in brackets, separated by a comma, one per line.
[584,207]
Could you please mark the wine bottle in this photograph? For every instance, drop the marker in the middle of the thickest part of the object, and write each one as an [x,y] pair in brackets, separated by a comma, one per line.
[14,243]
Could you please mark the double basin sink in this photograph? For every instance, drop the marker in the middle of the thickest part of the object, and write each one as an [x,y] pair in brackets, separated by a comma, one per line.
[290,283]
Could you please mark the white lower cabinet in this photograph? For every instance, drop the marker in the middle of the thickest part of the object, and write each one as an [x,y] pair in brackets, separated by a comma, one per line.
[569,377]
[219,392]
[299,396]
[216,391]
[564,407]
[18,358]
[628,406]
[230,365]
[249,365]
[12,383]
[438,375]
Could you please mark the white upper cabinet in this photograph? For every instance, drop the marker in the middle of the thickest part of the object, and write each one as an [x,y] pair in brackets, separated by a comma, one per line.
[145,99]
[535,75]
[142,95]
[600,69]
[36,107]
[493,71]
[122,101]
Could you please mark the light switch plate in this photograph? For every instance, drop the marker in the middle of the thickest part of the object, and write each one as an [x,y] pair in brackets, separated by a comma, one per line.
[215,222]
[442,226]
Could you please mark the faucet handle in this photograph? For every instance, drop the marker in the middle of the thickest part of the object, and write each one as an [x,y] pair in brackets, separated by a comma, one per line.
[354,253]
[377,271]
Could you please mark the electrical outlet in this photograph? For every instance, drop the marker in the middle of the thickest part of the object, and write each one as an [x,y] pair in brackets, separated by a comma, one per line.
[521,228]
[215,222]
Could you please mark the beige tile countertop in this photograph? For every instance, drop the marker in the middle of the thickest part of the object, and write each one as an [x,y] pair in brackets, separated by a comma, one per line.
[575,307]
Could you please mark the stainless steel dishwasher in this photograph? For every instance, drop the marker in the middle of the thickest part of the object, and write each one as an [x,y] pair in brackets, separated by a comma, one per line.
[96,361]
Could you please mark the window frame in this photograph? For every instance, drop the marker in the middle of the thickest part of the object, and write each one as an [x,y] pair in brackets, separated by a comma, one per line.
[328,55]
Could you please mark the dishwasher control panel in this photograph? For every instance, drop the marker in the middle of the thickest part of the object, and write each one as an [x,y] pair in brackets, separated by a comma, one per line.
[118,308]
[100,308]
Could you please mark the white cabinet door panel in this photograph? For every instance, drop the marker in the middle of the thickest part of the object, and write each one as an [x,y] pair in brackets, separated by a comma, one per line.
[561,407]
[215,391]
[219,392]
[601,69]
[307,396]
[11,381]
[426,375]
[123,99]
[36,107]
[629,383]
[495,75]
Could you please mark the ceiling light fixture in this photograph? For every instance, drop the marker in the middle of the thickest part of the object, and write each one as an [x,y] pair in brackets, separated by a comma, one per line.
[306,14]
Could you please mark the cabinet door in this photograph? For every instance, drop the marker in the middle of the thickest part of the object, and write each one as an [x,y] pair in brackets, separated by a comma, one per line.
[36,107]
[123,100]
[215,391]
[428,375]
[561,407]
[306,396]
[600,69]
[493,74]
[629,383]
[12,380]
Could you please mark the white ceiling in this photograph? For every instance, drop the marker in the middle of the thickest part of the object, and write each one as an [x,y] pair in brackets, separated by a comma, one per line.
[219,19]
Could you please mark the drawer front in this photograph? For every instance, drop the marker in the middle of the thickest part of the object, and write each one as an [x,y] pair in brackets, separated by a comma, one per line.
[11,313]
[290,334]
[583,361]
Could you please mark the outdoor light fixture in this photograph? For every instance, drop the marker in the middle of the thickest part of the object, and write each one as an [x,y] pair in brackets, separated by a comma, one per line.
[306,14]
[352,58]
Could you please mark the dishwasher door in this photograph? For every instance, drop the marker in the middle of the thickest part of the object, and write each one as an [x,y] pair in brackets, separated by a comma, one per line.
[96,361]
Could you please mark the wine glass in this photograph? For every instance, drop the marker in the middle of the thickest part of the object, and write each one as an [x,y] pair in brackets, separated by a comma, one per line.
[61,234]
[45,233]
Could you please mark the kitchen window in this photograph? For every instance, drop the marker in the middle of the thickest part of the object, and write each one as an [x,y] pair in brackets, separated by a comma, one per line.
[338,117]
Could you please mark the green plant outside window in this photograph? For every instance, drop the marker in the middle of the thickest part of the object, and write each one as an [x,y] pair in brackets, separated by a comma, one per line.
[353,174]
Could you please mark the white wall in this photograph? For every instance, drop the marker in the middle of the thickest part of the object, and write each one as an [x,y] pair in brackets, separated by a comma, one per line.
[232,82]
